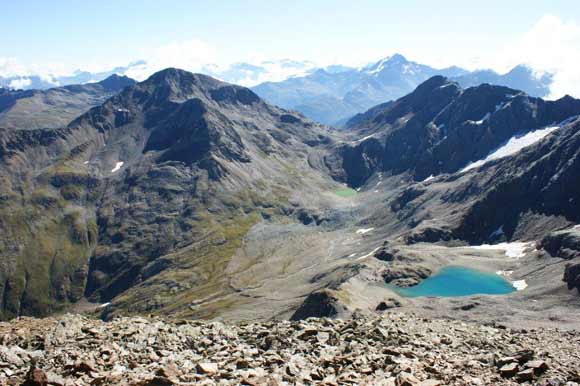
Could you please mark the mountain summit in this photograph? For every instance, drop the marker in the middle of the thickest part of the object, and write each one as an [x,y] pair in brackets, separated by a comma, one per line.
[332,98]
[164,178]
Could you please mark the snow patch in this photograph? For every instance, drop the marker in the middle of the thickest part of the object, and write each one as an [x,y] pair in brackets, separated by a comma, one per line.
[352,255]
[86,162]
[514,145]
[117,166]
[498,232]
[520,285]
[514,249]
[429,178]
[104,305]
[504,273]
[369,254]
[485,118]
[362,231]
[364,138]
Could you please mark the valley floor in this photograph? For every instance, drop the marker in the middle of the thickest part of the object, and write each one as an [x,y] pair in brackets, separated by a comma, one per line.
[392,349]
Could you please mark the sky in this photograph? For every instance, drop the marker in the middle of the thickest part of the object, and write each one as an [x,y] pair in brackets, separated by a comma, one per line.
[38,36]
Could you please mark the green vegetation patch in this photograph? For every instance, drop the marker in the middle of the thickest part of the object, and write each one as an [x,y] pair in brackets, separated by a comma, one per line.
[346,192]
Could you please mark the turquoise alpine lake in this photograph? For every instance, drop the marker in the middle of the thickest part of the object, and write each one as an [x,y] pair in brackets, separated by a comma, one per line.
[458,281]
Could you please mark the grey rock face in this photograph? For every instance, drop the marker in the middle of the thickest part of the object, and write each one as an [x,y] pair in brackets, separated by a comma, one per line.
[564,244]
[441,128]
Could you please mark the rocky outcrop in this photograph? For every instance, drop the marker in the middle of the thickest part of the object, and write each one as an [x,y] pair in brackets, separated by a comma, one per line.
[564,244]
[395,349]
[405,275]
[572,276]
[320,304]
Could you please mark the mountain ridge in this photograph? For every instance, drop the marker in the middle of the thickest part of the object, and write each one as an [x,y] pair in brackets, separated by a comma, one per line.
[332,98]
[35,109]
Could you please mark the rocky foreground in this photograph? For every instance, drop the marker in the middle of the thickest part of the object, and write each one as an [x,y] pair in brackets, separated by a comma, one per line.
[396,349]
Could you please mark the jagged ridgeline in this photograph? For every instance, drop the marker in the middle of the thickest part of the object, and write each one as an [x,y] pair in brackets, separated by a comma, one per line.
[147,195]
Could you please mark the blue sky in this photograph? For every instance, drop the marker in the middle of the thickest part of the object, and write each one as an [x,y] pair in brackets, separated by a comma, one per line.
[98,34]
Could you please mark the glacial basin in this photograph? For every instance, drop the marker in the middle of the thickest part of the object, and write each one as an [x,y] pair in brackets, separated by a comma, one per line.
[458,281]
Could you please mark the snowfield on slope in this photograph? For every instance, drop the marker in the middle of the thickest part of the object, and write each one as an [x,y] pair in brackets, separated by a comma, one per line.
[514,145]
[514,249]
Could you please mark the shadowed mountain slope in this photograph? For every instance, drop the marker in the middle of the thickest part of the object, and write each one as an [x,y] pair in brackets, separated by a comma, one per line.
[154,190]
[441,128]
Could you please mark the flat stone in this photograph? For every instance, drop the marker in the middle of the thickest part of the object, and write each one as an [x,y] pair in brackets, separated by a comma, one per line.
[539,366]
[505,360]
[509,370]
[430,382]
[207,368]
[406,379]
[525,375]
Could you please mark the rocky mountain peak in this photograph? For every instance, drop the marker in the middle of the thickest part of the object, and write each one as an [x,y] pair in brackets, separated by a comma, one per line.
[116,82]
[177,85]
[441,128]
[389,63]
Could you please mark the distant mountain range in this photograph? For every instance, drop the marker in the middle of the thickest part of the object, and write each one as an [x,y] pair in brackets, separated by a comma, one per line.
[55,107]
[332,96]
[241,73]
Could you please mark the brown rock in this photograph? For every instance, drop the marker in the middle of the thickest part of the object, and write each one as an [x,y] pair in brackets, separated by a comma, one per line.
[207,368]
[509,370]
[430,382]
[538,366]
[524,356]
[156,381]
[505,360]
[35,377]
[168,371]
[406,379]
[84,367]
[525,375]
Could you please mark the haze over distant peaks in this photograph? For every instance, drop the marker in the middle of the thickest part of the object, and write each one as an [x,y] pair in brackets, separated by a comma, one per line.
[331,97]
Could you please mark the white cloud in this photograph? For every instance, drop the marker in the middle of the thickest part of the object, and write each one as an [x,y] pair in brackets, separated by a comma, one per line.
[19,83]
[188,55]
[273,71]
[10,67]
[551,45]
